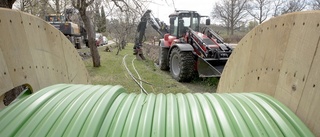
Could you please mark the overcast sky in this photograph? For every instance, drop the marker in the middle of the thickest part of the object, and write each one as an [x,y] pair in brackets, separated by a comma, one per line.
[161,9]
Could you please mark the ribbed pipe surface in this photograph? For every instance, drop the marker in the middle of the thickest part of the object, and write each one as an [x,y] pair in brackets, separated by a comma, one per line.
[87,110]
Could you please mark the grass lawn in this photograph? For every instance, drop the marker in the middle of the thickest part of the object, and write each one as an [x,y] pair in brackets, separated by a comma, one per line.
[113,72]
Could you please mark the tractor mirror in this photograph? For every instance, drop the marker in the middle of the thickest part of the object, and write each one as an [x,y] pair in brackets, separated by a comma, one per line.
[172,20]
[207,21]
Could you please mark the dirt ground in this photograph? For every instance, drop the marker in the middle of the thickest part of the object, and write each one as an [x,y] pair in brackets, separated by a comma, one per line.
[12,94]
[152,52]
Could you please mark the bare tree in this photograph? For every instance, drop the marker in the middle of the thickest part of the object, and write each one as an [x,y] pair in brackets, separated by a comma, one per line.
[127,15]
[60,6]
[252,24]
[25,5]
[277,5]
[121,26]
[316,4]
[6,3]
[294,6]
[230,12]
[136,6]
[260,9]
[43,8]
[82,5]
[38,8]
[57,3]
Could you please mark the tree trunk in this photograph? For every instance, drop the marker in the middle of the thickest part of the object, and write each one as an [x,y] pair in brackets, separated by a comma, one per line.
[57,7]
[232,27]
[91,38]
[6,3]
[22,6]
[119,48]
[43,9]
[118,42]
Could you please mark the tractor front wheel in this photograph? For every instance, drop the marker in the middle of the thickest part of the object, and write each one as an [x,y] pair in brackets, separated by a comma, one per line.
[182,65]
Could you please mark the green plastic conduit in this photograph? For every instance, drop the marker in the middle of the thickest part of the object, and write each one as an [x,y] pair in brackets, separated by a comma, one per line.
[88,110]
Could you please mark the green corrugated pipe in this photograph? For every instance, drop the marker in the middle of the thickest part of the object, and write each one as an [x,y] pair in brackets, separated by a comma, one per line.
[88,110]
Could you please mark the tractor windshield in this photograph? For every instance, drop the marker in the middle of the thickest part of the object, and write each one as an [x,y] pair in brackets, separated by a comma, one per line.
[55,18]
[194,24]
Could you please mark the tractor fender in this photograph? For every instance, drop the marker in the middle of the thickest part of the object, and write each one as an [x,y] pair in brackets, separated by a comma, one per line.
[182,47]
[163,46]
[164,43]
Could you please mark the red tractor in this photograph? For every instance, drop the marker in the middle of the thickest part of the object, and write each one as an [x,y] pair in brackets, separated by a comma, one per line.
[184,49]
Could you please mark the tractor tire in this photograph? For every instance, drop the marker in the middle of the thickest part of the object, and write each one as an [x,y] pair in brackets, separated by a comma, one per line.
[163,59]
[182,65]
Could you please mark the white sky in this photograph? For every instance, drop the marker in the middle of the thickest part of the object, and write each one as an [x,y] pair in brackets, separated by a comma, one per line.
[162,9]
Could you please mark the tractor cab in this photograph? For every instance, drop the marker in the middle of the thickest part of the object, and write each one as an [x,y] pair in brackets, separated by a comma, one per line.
[181,20]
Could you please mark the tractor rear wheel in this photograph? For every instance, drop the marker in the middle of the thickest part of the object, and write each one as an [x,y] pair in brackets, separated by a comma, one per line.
[181,65]
[163,53]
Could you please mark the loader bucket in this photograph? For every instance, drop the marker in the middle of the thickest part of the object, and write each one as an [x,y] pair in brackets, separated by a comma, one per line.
[210,67]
